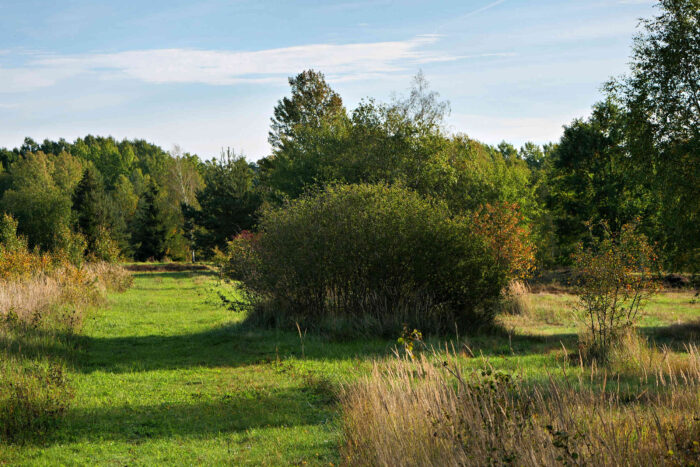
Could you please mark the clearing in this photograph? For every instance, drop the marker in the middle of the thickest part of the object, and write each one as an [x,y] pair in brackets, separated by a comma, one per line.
[166,375]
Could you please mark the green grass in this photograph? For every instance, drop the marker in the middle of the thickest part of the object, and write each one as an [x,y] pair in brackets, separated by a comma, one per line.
[167,375]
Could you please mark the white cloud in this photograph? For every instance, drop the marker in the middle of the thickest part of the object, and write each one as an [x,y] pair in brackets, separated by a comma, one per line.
[214,67]
[26,79]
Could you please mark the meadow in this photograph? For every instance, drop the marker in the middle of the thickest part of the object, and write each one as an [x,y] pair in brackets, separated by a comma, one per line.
[168,373]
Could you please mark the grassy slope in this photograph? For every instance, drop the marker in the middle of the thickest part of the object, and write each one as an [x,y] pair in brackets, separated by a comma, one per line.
[167,377]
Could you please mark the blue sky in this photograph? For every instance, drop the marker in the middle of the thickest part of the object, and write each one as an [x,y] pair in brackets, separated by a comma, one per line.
[206,75]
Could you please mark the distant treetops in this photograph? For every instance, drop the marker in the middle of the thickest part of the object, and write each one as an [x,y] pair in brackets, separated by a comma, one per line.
[635,159]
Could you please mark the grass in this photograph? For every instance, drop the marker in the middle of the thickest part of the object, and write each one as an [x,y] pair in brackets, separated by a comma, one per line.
[167,375]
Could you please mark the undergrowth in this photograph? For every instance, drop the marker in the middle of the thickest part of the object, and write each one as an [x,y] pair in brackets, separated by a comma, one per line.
[430,411]
[40,312]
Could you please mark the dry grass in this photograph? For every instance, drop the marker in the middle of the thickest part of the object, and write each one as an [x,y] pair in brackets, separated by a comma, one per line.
[110,277]
[30,297]
[38,314]
[634,355]
[33,299]
[424,413]
[517,301]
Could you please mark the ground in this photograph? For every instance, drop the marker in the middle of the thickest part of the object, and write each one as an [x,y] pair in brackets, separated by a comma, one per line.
[166,375]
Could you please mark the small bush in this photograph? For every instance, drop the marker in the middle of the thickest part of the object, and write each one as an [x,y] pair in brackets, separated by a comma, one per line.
[370,257]
[614,280]
[105,248]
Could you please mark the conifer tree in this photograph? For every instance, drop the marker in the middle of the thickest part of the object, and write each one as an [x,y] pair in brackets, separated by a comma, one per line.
[150,231]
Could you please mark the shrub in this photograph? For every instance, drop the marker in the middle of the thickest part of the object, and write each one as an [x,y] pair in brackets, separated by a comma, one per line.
[614,278]
[105,248]
[371,257]
[502,226]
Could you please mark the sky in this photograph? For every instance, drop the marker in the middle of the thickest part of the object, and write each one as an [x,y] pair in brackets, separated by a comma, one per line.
[206,75]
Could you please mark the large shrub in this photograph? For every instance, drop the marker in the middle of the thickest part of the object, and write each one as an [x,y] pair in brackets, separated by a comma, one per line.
[369,256]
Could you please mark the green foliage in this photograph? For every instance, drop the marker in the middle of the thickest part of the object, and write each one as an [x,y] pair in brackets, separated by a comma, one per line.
[9,239]
[91,188]
[92,210]
[311,102]
[636,157]
[33,397]
[614,279]
[661,96]
[106,154]
[228,203]
[408,341]
[41,207]
[149,234]
[591,179]
[104,247]
[372,256]
[400,142]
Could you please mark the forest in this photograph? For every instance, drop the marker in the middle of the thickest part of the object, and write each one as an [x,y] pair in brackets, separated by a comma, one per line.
[133,199]
[634,159]
[379,290]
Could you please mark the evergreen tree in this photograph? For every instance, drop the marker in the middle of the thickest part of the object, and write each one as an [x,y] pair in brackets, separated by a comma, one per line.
[150,231]
[229,202]
[89,207]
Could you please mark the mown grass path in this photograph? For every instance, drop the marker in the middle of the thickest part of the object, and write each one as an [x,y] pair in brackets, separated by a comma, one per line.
[166,377]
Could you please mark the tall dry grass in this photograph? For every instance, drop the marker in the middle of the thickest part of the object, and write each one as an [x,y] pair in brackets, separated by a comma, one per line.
[517,299]
[36,298]
[39,313]
[425,413]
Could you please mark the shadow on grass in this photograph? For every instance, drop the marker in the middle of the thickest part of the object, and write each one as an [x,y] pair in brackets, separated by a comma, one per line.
[676,336]
[200,417]
[227,346]
[237,346]
[173,275]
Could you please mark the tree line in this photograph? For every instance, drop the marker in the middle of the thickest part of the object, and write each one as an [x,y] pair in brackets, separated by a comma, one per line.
[636,159]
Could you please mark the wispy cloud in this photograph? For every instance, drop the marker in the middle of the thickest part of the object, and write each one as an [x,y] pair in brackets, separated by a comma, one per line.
[483,8]
[216,67]
[469,14]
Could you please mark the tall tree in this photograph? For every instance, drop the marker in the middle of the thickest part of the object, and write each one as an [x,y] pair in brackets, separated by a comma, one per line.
[228,202]
[311,101]
[149,233]
[591,178]
[89,208]
[662,98]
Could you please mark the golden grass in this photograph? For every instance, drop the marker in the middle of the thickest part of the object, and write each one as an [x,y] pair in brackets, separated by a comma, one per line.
[634,355]
[428,413]
[517,299]
[32,299]
[34,392]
